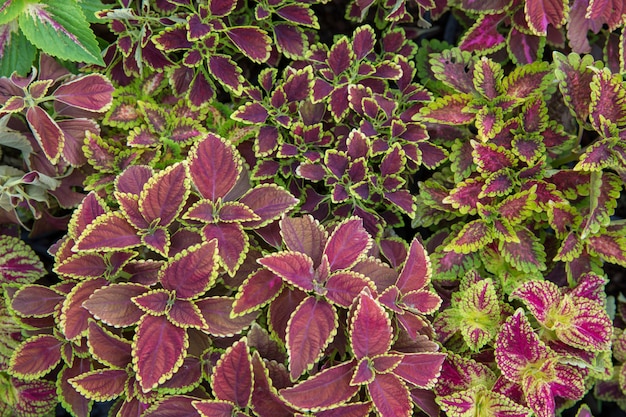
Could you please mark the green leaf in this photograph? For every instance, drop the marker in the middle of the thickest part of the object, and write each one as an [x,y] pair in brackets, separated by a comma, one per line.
[605,189]
[474,235]
[17,55]
[59,28]
[10,10]
[89,8]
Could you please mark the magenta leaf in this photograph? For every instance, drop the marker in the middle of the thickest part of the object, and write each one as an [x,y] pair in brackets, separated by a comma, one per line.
[48,134]
[539,297]
[101,385]
[326,389]
[390,396]
[112,304]
[164,195]
[74,318]
[158,350]
[191,272]
[348,242]
[294,267]
[252,41]
[370,318]
[36,357]
[269,202]
[310,329]
[484,35]
[214,166]
[91,92]
[416,272]
[232,376]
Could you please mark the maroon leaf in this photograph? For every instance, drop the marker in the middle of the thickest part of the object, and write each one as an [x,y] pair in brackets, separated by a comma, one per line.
[215,166]
[219,8]
[36,301]
[156,302]
[252,41]
[390,396]
[112,304]
[227,72]
[329,388]
[420,369]
[108,348]
[290,39]
[48,134]
[294,267]
[109,231]
[340,56]
[416,272]
[310,329]
[259,288]
[348,242]
[133,179]
[36,357]
[101,385]
[192,271]
[74,317]
[541,13]
[299,13]
[251,112]
[342,288]
[370,318]
[232,243]
[232,376]
[484,35]
[91,92]
[269,202]
[217,312]
[158,350]
[164,195]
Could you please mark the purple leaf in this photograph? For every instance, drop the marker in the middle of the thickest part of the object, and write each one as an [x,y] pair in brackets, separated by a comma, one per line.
[541,13]
[74,318]
[36,357]
[215,167]
[290,39]
[232,243]
[269,202]
[48,134]
[340,56]
[298,13]
[259,288]
[164,195]
[191,272]
[158,350]
[217,312]
[232,376]
[370,318]
[227,72]
[310,329]
[112,304]
[109,231]
[294,267]
[91,92]
[390,396]
[348,242]
[484,35]
[342,288]
[252,41]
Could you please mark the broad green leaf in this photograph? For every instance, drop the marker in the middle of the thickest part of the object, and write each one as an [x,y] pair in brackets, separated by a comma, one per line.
[60,29]
[17,54]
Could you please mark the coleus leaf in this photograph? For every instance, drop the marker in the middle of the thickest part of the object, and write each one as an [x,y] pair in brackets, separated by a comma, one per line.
[310,329]
[92,92]
[608,99]
[110,231]
[18,262]
[346,244]
[36,300]
[158,350]
[35,357]
[251,41]
[215,167]
[483,36]
[164,195]
[269,202]
[326,389]
[575,77]
[101,384]
[47,132]
[74,319]
[480,401]
[232,243]
[604,192]
[221,322]
[294,267]
[107,348]
[370,318]
[474,235]
[390,396]
[259,288]
[112,304]
[449,110]
[527,254]
[305,235]
[480,310]
[232,378]
[192,271]
[541,13]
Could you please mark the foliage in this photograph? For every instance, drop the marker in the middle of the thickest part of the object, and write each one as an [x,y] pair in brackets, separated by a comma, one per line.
[264,220]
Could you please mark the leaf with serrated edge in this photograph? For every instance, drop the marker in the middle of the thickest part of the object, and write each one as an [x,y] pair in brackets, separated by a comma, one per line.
[232,377]
[310,329]
[390,396]
[108,348]
[232,244]
[215,166]
[74,318]
[192,271]
[101,384]
[370,318]
[416,271]
[348,242]
[304,235]
[343,287]
[113,305]
[473,236]
[164,195]
[110,231]
[158,350]
[326,389]
[259,288]
[294,267]
[217,312]
[269,202]
[35,357]
[18,261]
[36,301]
